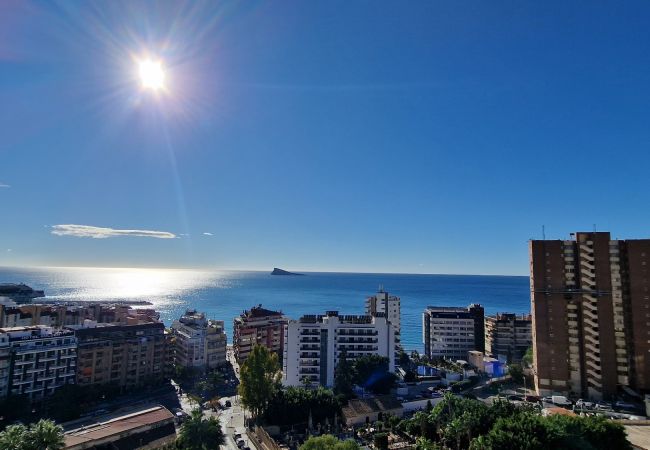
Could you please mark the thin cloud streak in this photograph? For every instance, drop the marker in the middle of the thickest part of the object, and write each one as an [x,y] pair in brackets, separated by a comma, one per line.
[89,231]
[207,234]
[3,185]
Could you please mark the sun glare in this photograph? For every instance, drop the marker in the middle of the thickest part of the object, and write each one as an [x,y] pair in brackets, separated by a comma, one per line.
[152,74]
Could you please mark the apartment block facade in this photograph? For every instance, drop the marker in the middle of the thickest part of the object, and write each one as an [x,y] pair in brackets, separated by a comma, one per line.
[508,336]
[59,316]
[390,306]
[125,355]
[591,314]
[199,343]
[37,360]
[451,332]
[258,326]
[314,343]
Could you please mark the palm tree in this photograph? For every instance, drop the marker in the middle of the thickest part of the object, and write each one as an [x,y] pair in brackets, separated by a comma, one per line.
[198,433]
[46,435]
[14,437]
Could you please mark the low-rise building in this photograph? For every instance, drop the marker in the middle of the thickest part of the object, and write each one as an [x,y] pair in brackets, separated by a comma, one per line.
[199,343]
[360,411]
[258,326]
[40,360]
[451,332]
[314,343]
[124,355]
[487,365]
[508,336]
[148,428]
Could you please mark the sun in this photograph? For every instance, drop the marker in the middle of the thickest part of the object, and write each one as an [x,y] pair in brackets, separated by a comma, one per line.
[152,74]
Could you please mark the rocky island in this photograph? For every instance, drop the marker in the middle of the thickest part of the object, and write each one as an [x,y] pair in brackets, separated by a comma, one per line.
[277,271]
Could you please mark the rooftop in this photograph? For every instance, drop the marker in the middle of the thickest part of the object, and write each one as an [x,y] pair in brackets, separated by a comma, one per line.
[258,311]
[107,427]
[349,319]
[363,406]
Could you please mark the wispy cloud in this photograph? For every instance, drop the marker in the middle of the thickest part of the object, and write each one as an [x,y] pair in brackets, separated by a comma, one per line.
[4,185]
[207,234]
[89,231]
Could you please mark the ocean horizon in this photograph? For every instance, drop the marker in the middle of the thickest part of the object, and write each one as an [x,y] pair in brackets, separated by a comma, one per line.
[224,294]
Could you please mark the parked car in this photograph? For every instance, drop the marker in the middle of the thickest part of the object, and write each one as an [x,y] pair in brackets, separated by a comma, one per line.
[581,404]
[560,400]
[624,405]
[603,405]
[548,399]
[515,398]
[241,443]
[532,398]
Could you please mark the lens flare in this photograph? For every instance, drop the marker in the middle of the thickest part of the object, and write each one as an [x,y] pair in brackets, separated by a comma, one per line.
[152,74]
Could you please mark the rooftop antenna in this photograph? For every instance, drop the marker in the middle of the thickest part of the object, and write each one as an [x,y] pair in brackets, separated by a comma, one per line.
[594,228]
[543,232]
[381,288]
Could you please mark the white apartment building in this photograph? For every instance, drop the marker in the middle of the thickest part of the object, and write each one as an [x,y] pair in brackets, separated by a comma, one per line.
[313,344]
[40,360]
[390,306]
[198,342]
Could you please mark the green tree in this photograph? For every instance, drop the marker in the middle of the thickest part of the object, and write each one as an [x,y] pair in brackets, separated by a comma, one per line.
[516,373]
[15,407]
[292,405]
[260,380]
[328,442]
[422,443]
[306,382]
[198,433]
[371,372]
[520,432]
[380,440]
[14,437]
[46,435]
[410,376]
[527,359]
[343,377]
[403,359]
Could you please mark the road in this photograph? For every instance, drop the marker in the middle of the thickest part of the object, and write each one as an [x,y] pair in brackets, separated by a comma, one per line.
[232,419]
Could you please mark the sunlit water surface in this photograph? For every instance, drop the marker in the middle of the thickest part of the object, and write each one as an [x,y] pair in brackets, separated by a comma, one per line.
[224,294]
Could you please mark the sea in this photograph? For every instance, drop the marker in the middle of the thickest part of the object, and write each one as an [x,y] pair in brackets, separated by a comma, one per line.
[222,295]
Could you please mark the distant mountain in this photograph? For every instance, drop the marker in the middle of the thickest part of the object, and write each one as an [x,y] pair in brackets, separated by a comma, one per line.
[277,271]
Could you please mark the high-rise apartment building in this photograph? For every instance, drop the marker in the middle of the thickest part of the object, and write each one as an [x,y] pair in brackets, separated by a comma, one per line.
[313,344]
[390,306]
[125,355]
[450,332]
[591,314]
[198,342]
[258,326]
[40,360]
[508,336]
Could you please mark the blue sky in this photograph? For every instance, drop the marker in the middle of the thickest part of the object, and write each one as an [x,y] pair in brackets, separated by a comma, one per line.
[433,137]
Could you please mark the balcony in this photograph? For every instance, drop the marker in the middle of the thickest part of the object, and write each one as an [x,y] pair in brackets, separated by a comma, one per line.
[355,340]
[309,347]
[354,332]
[309,363]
